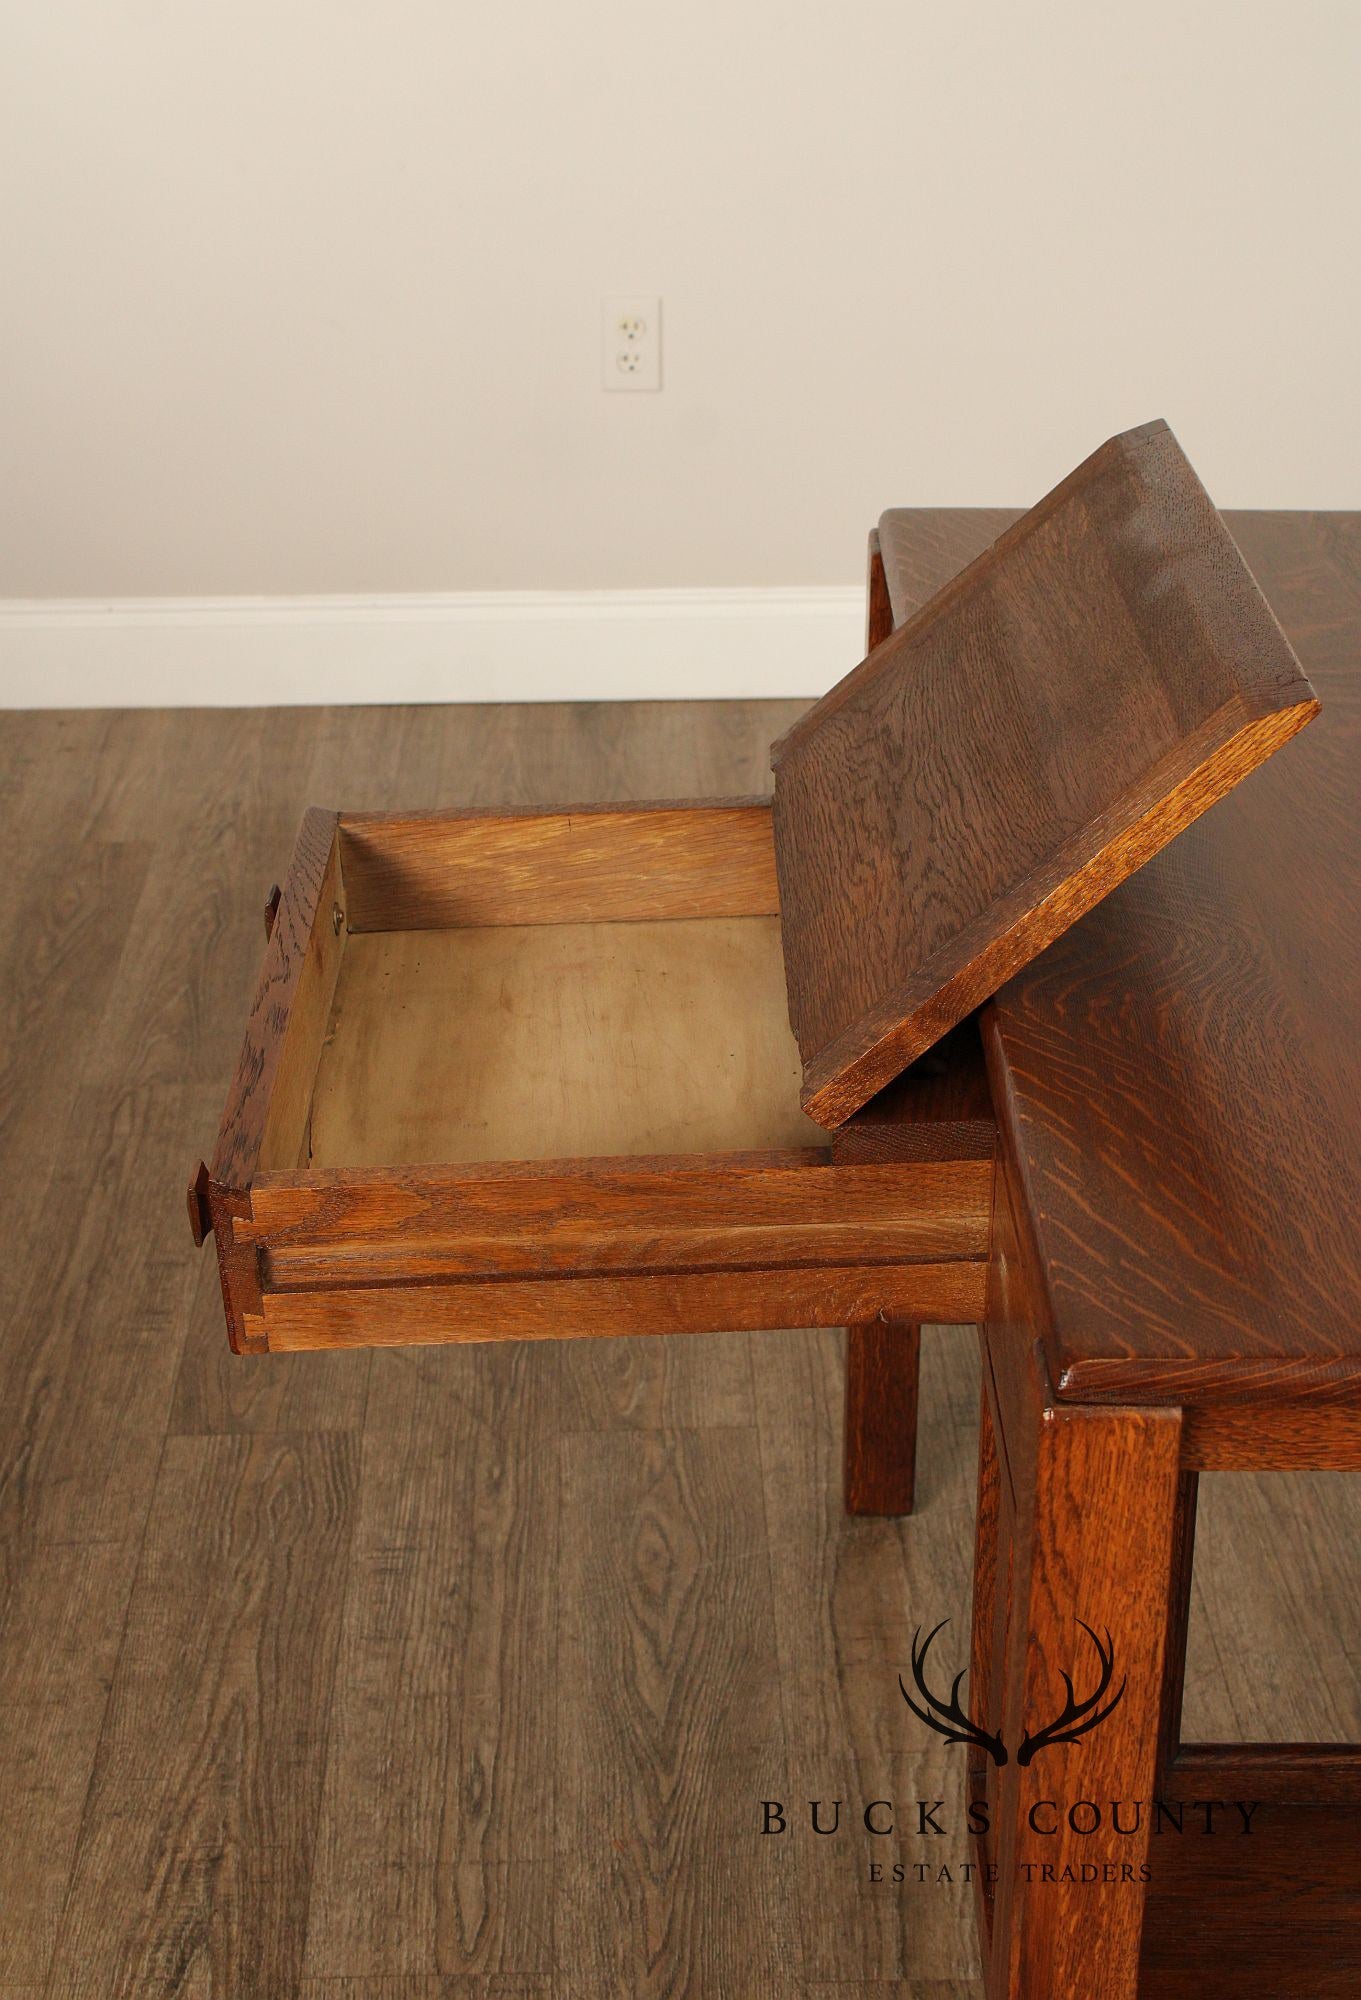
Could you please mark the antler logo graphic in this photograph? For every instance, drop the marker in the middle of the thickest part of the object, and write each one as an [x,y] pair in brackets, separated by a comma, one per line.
[956,1725]
[953,1724]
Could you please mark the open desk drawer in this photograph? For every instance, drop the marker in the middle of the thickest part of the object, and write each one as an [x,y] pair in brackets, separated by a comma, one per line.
[531,1075]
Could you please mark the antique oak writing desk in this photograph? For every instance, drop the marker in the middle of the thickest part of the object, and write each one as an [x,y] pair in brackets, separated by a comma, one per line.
[1175,1280]
[661,1069]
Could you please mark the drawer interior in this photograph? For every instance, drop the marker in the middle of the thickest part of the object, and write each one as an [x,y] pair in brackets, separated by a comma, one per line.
[549,1041]
[532,1076]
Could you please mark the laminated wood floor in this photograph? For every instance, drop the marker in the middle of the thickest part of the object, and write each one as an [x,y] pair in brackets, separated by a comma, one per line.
[455,1672]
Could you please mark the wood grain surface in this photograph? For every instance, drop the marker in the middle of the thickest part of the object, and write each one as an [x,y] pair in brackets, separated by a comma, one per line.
[1091,684]
[1095,1502]
[183,1532]
[1199,1025]
[584,864]
[200,1724]
[1302,1774]
[1279,1916]
[1177,1086]
[883,1357]
[585,1249]
[939,1109]
[685,1215]
[587,1307]
[1079,1523]
[265,1120]
[943,1100]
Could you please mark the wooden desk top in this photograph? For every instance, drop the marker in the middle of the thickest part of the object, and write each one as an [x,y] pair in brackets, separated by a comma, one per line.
[1178,1079]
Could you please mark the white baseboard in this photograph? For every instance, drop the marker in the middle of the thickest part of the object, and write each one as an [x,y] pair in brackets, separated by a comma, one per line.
[531,645]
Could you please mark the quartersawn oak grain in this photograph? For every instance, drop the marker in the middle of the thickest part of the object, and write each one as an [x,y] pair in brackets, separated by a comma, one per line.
[942,1102]
[616,1215]
[1201,1021]
[1177,1090]
[486,1253]
[594,1308]
[1101,675]
[263,1123]
[559,865]
[1078,1520]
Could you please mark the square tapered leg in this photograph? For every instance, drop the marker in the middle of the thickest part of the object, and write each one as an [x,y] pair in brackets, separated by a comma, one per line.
[1079,1581]
[882,1362]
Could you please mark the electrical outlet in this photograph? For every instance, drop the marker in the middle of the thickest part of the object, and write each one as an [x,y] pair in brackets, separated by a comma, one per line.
[631,344]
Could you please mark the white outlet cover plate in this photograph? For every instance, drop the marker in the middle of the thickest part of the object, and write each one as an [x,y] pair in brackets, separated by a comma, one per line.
[631,344]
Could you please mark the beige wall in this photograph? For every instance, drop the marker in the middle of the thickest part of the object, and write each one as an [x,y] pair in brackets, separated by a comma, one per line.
[304,296]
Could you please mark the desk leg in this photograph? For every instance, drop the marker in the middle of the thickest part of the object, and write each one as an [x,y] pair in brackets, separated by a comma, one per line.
[882,1358]
[1088,1529]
